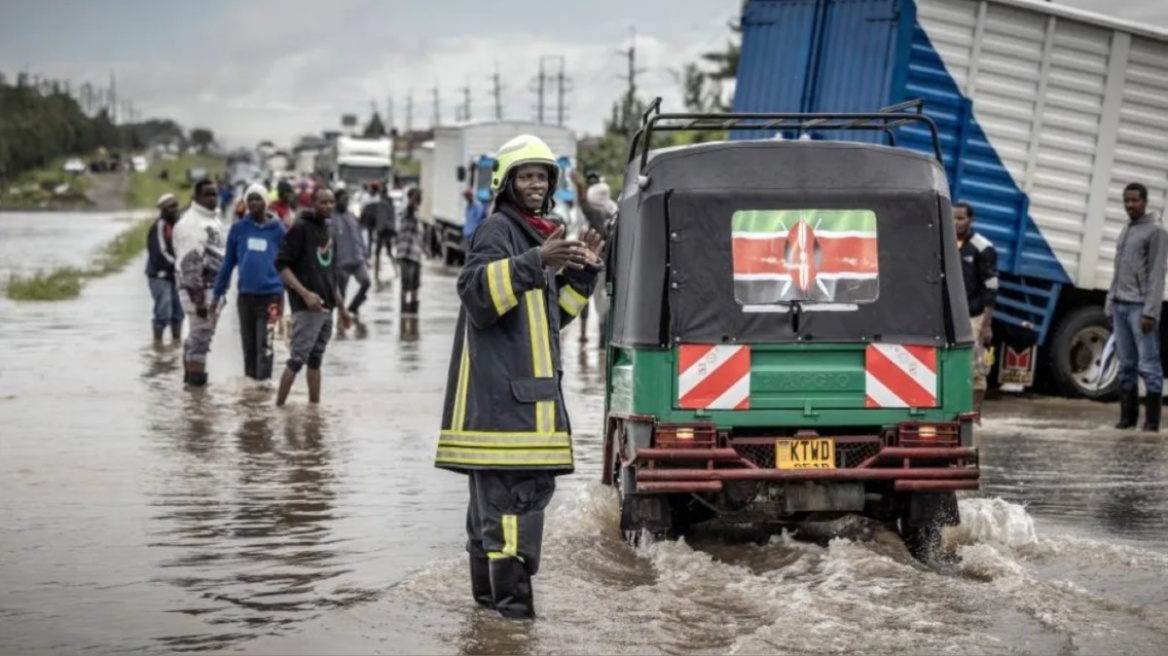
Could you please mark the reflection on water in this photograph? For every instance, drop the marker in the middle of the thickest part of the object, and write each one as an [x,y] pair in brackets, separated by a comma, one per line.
[246,524]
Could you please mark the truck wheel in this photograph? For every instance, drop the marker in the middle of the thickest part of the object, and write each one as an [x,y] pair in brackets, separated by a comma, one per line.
[1076,353]
[643,515]
[924,516]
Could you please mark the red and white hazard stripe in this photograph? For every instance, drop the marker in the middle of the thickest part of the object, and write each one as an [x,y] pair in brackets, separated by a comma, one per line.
[900,376]
[713,377]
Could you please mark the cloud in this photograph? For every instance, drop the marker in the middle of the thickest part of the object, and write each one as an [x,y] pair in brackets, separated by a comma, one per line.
[283,87]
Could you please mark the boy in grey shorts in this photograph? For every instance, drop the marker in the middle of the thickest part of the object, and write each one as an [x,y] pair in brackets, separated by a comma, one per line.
[307,262]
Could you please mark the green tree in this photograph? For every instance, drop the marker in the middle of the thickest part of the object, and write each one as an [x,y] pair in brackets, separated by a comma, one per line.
[202,138]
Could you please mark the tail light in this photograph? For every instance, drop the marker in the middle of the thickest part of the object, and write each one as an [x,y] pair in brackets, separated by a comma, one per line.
[915,434]
[686,435]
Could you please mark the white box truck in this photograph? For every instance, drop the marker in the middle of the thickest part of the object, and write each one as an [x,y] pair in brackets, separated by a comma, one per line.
[1045,114]
[460,158]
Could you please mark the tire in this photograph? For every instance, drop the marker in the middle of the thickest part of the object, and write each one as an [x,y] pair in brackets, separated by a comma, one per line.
[644,515]
[924,516]
[1075,351]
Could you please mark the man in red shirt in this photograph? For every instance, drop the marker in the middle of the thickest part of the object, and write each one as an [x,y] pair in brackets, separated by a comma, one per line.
[282,206]
[304,200]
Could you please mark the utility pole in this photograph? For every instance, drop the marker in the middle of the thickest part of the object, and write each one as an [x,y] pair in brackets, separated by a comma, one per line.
[561,88]
[410,112]
[497,92]
[631,79]
[112,99]
[466,101]
[437,105]
[540,91]
[389,117]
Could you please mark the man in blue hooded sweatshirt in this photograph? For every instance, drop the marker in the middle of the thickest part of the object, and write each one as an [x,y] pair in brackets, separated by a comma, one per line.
[252,245]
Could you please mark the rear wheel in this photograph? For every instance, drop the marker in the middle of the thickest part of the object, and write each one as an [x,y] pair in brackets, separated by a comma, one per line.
[924,516]
[1076,355]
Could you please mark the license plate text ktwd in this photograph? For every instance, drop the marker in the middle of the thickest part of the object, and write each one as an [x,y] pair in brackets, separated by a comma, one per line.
[816,453]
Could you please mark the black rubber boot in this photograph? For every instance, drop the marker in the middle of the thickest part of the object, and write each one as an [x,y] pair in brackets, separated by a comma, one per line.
[480,581]
[1129,408]
[1152,405]
[158,333]
[176,331]
[197,379]
[511,589]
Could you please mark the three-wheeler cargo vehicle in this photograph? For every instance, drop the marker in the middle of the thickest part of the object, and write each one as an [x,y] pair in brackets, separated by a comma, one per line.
[789,336]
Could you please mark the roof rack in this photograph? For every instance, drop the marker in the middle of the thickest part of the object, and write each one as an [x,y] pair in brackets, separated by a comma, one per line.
[886,120]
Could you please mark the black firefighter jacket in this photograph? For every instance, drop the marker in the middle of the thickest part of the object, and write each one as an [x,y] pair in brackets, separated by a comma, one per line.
[504,405]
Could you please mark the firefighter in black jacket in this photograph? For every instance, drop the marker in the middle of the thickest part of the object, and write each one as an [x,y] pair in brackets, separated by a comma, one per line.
[504,423]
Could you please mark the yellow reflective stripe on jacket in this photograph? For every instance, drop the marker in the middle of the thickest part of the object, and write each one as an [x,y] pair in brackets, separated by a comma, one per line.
[541,357]
[504,457]
[571,300]
[499,284]
[504,440]
[459,419]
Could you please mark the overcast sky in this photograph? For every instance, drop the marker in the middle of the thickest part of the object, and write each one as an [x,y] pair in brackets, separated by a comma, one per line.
[252,69]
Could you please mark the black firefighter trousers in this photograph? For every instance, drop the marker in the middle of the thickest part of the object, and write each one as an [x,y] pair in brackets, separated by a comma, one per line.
[504,527]
[258,316]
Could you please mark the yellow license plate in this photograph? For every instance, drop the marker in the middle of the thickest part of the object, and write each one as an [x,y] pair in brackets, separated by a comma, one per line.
[809,453]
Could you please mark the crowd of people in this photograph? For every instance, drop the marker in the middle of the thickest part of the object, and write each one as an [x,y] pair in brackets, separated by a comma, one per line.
[292,255]
[529,272]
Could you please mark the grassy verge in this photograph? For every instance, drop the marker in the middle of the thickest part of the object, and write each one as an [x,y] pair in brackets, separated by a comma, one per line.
[170,176]
[39,188]
[64,283]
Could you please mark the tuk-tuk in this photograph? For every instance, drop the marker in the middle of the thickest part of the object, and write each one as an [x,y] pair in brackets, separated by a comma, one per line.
[789,336]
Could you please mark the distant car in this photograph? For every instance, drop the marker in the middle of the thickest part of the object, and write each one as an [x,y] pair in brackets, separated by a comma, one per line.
[194,175]
[75,165]
[140,164]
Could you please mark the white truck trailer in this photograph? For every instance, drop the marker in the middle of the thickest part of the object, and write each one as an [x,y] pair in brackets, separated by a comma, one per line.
[1045,112]
[460,158]
[357,160]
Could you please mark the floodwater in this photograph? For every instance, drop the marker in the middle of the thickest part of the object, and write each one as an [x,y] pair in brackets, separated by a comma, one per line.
[137,517]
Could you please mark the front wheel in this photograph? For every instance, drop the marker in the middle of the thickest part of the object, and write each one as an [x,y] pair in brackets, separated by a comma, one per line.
[1076,356]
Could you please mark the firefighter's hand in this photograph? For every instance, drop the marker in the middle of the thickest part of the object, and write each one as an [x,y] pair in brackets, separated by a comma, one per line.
[558,252]
[1147,324]
[313,301]
[594,242]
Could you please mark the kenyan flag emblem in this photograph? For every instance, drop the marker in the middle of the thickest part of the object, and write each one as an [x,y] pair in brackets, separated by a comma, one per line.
[817,256]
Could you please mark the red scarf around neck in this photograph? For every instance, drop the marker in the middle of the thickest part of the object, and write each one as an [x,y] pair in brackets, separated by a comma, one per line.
[541,225]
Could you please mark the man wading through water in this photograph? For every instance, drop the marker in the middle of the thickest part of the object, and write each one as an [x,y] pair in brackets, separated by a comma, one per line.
[351,253]
[409,254]
[198,243]
[504,424]
[160,270]
[252,244]
[307,260]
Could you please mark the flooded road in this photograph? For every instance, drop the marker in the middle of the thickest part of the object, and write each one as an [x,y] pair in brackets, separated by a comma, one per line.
[140,518]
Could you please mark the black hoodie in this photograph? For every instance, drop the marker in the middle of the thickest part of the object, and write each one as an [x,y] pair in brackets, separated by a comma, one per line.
[308,250]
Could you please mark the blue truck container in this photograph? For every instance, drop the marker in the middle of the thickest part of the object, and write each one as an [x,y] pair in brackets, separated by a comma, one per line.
[1044,113]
